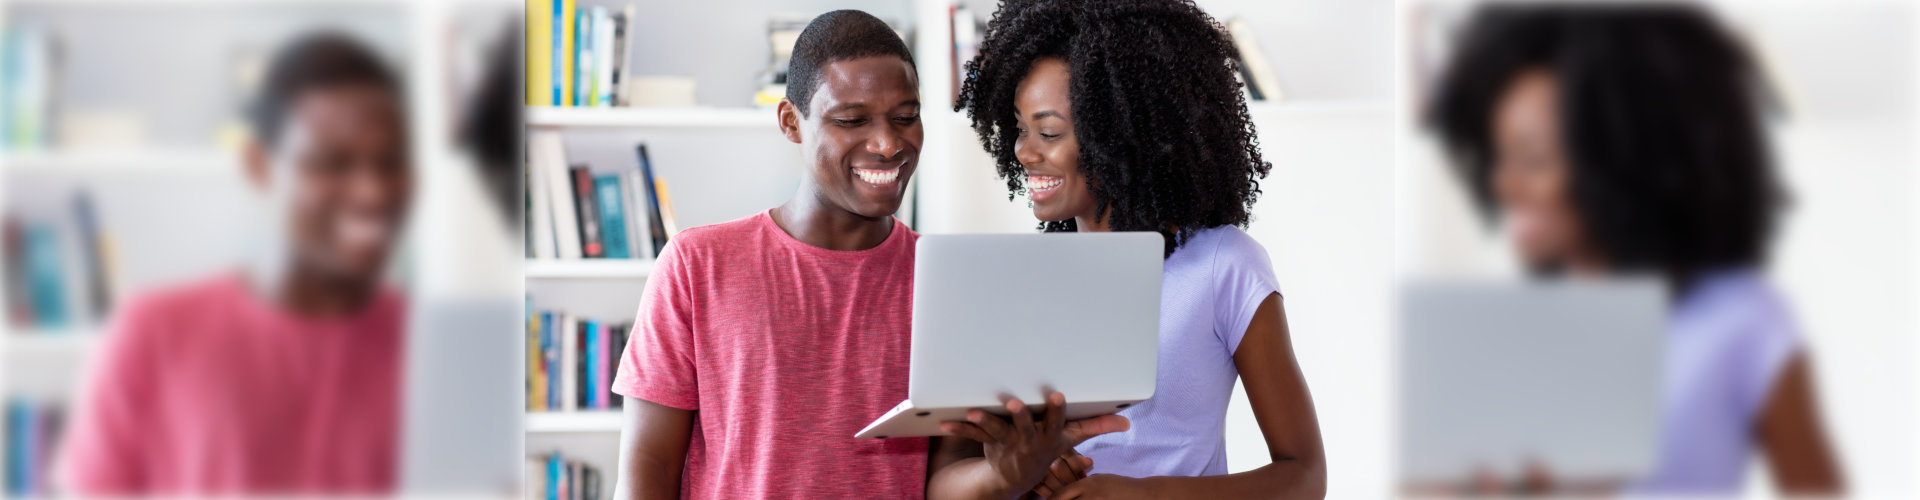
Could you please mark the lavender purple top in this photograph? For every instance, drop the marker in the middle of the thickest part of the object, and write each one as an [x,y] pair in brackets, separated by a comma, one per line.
[1729,338]
[1209,289]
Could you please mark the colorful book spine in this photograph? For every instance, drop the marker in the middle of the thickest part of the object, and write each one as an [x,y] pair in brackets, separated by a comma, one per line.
[587,210]
[539,58]
[44,276]
[550,346]
[563,33]
[656,227]
[613,216]
[583,58]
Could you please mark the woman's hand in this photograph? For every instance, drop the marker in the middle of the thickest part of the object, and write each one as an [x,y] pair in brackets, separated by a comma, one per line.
[1070,467]
[1020,448]
[1107,486]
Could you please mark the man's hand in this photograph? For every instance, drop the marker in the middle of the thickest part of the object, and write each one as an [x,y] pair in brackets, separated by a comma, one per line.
[1021,448]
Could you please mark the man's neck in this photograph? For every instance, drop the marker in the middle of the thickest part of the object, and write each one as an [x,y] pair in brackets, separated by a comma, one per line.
[812,221]
[310,294]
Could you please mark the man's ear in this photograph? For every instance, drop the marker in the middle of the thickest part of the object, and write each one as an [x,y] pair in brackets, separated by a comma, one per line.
[255,163]
[790,120]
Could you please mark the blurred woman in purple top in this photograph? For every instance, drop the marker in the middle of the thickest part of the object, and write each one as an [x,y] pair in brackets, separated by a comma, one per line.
[1630,139]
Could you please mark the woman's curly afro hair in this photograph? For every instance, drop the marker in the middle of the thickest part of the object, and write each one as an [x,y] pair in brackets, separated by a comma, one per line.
[1166,143]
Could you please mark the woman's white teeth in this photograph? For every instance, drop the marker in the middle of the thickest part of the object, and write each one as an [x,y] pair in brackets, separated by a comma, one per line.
[877,176]
[1043,182]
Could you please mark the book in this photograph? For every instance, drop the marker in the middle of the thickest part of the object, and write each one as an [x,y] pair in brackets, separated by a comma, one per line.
[622,49]
[657,228]
[44,276]
[666,207]
[19,298]
[587,210]
[603,34]
[640,233]
[589,393]
[539,58]
[95,256]
[613,216]
[536,364]
[550,349]
[541,243]
[569,358]
[548,152]
[563,33]
[618,348]
[583,58]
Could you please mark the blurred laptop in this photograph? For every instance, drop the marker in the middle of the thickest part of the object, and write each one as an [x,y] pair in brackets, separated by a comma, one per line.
[1497,375]
[464,397]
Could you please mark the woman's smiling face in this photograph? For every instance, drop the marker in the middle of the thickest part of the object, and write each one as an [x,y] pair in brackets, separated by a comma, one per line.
[1046,146]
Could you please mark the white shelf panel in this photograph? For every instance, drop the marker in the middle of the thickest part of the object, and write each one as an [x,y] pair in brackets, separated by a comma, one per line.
[39,343]
[590,269]
[580,421]
[120,162]
[547,116]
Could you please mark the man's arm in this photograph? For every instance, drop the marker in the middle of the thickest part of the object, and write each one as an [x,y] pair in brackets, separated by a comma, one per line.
[653,450]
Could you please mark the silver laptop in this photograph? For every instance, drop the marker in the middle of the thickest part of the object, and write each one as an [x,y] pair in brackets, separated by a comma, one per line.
[1496,374]
[997,316]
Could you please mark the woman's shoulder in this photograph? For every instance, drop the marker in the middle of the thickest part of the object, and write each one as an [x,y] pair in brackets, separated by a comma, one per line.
[1228,247]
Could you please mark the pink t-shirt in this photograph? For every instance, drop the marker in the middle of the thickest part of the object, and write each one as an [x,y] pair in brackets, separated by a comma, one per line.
[206,389]
[785,350]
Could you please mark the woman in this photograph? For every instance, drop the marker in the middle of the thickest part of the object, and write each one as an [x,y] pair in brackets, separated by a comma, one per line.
[1628,139]
[1125,115]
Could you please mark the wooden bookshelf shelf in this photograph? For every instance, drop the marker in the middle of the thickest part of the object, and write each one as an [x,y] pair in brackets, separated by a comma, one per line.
[580,421]
[590,269]
[546,116]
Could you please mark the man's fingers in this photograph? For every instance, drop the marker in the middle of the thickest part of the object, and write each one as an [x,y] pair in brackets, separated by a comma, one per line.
[1022,417]
[995,428]
[965,430]
[1079,431]
[1056,412]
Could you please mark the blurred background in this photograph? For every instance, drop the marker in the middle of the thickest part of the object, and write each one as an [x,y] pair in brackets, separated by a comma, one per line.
[121,173]
[1842,138]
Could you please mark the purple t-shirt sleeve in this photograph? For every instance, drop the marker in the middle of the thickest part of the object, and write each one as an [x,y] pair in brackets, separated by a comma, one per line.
[1769,345]
[1243,277]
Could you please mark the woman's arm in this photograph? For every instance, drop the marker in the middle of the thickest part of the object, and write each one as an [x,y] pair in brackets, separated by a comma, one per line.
[1284,410]
[653,450]
[1793,437]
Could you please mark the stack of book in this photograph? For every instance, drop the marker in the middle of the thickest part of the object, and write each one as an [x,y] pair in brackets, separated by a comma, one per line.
[554,477]
[576,56]
[571,362]
[574,213]
[42,276]
[33,430]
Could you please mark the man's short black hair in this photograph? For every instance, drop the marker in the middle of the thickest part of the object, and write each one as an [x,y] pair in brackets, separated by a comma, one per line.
[1662,117]
[838,36]
[312,62]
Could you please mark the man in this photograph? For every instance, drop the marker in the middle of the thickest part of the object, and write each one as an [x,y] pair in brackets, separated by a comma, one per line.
[763,344]
[281,378]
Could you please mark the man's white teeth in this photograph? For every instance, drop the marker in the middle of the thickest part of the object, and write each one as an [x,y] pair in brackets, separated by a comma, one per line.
[1043,182]
[877,176]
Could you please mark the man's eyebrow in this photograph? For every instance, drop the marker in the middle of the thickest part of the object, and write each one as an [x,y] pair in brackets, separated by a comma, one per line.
[847,106]
[909,102]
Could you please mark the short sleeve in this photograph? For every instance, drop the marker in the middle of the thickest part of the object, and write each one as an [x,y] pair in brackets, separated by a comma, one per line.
[1242,278]
[107,437]
[659,363]
[1768,342]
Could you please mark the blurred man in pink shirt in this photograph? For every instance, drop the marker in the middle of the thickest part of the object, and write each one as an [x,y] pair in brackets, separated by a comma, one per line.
[282,377]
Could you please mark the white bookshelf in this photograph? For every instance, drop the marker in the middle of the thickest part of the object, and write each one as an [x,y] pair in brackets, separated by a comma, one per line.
[631,269]
[573,422]
[121,162]
[677,118]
